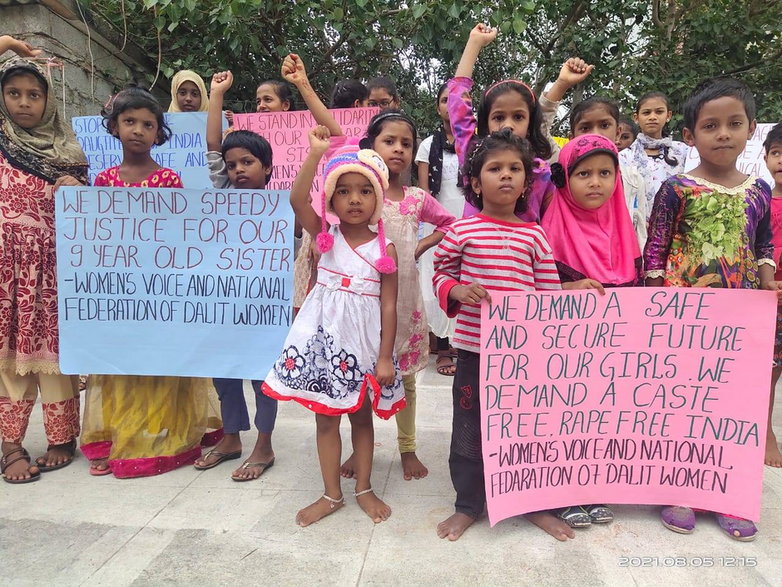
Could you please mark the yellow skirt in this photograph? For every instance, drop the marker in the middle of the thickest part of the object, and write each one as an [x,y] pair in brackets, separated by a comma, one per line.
[147,425]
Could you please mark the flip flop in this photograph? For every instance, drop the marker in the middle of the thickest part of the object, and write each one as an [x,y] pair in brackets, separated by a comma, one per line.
[448,370]
[69,446]
[96,472]
[23,455]
[247,464]
[221,457]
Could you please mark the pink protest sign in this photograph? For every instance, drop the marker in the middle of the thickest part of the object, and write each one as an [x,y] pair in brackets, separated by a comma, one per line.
[287,134]
[640,396]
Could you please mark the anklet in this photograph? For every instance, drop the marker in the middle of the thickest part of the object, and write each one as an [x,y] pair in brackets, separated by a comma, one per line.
[360,493]
[334,502]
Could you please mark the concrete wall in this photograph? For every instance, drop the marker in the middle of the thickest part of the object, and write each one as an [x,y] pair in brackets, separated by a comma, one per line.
[95,68]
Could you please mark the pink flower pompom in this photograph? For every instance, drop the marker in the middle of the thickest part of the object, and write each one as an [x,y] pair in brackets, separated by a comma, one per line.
[386,264]
[325,241]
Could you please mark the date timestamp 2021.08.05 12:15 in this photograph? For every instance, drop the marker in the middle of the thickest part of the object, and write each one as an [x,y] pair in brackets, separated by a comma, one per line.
[687,561]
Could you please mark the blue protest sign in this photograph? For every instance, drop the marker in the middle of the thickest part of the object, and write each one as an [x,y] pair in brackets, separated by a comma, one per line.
[173,282]
[184,152]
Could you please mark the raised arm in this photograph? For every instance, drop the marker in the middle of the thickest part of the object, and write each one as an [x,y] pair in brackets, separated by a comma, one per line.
[300,192]
[21,48]
[293,71]
[221,83]
[480,36]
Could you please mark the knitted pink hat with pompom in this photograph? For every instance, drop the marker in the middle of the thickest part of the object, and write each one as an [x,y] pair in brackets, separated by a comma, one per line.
[371,165]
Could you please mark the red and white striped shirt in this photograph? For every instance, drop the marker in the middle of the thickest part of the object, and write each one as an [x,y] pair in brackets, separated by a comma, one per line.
[501,256]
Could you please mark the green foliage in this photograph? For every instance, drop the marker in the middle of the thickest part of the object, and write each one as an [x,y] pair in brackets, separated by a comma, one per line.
[637,45]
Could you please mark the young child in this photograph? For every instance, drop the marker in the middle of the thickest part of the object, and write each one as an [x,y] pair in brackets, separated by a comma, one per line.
[773,157]
[139,425]
[188,92]
[438,174]
[338,356]
[474,258]
[506,104]
[392,135]
[719,118]
[597,115]
[38,154]
[383,93]
[273,96]
[592,240]
[243,160]
[349,93]
[626,133]
[655,155]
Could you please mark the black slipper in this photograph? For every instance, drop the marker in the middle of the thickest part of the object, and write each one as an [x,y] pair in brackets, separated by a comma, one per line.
[69,446]
[23,455]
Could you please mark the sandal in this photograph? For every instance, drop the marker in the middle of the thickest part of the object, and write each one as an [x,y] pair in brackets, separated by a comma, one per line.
[70,447]
[445,366]
[575,517]
[678,518]
[247,464]
[221,457]
[95,467]
[737,528]
[599,513]
[23,455]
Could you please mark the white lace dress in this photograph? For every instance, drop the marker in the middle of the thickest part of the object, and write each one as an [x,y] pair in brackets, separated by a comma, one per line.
[329,357]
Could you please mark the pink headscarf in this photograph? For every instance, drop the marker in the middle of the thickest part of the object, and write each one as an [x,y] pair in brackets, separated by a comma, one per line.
[601,244]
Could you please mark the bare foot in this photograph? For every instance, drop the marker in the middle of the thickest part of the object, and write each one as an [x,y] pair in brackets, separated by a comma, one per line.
[773,456]
[412,468]
[318,510]
[453,527]
[373,506]
[552,525]
[348,469]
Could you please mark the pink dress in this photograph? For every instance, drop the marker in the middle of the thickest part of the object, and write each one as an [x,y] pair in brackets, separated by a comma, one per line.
[401,222]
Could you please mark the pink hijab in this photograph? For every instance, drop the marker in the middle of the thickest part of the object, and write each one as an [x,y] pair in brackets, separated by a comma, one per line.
[601,244]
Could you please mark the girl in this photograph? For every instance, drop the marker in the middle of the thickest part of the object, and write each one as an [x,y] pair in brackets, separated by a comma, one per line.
[491,250]
[188,93]
[711,226]
[392,134]
[627,133]
[653,153]
[600,116]
[592,240]
[338,357]
[349,93]
[38,153]
[273,96]
[773,157]
[507,104]
[138,425]
[438,173]
[243,161]
[383,93]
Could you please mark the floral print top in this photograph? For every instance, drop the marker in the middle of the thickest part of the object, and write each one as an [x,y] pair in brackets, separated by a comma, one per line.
[703,234]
